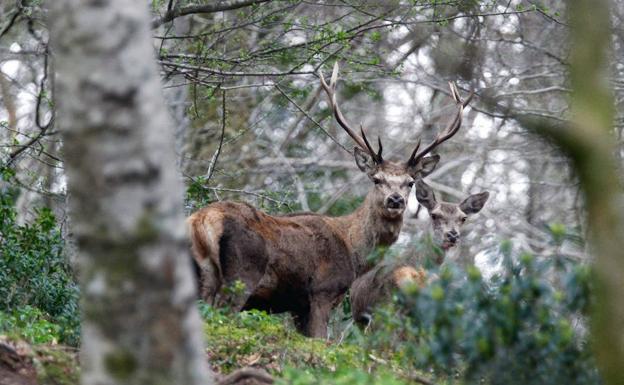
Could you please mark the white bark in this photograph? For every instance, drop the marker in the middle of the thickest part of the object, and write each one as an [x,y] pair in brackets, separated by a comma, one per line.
[140,325]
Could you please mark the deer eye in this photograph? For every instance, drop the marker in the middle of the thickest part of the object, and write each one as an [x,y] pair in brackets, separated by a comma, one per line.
[377,181]
[410,184]
[463,219]
[435,217]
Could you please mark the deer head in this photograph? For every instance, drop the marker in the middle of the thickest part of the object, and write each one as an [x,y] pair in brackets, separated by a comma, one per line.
[447,219]
[392,181]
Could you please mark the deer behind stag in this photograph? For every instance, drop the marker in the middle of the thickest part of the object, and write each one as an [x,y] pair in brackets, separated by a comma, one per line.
[446,221]
[304,263]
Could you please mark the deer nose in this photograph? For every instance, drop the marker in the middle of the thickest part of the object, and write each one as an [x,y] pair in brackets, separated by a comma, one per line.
[452,236]
[395,201]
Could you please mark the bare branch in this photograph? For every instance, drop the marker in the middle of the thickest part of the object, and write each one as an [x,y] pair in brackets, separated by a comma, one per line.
[203,8]
[213,161]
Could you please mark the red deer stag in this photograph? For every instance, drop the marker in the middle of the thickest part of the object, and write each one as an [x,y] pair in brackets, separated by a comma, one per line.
[304,263]
[446,221]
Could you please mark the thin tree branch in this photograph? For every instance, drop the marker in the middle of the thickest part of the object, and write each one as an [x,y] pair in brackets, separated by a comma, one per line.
[213,161]
[311,118]
[203,8]
[11,22]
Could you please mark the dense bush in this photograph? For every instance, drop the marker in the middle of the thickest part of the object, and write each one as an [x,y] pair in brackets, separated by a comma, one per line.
[34,273]
[524,326]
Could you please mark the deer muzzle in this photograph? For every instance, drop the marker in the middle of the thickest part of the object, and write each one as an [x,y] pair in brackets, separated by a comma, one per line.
[395,201]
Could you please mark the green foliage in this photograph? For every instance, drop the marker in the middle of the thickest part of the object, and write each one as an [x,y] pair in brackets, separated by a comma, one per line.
[36,282]
[271,342]
[523,327]
[30,324]
[349,376]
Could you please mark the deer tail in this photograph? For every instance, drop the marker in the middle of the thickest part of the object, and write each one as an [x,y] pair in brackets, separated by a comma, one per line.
[205,236]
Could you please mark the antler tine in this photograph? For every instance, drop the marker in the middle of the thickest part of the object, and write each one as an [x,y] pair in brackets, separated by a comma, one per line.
[330,90]
[376,156]
[447,132]
[412,157]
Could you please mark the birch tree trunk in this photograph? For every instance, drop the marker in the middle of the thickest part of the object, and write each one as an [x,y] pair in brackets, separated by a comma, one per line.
[140,325]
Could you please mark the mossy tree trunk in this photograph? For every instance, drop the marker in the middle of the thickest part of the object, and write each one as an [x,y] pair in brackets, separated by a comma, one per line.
[590,142]
[593,154]
[140,325]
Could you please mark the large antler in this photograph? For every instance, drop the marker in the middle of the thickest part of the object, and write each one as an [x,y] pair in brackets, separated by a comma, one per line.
[362,142]
[448,132]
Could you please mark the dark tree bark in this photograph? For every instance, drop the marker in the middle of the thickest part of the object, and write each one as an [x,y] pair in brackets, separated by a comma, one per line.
[140,325]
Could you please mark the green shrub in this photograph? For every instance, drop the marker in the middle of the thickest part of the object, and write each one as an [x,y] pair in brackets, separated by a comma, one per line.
[254,338]
[30,324]
[34,272]
[523,327]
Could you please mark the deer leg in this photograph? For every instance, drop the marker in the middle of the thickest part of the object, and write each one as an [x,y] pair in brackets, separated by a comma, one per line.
[318,318]
[301,320]
[229,296]
[209,282]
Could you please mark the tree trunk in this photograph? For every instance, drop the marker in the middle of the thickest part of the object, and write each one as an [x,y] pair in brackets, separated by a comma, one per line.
[589,141]
[140,325]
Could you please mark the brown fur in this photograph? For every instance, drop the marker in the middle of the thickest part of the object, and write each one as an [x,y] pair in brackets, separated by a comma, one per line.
[404,276]
[378,284]
[302,263]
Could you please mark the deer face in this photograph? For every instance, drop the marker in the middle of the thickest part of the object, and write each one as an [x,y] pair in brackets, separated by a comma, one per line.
[447,219]
[393,181]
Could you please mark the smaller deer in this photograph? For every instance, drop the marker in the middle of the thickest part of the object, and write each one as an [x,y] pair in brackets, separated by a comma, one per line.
[446,221]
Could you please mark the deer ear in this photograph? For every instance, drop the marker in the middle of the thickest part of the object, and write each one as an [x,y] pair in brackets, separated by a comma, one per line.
[425,195]
[364,160]
[474,203]
[424,167]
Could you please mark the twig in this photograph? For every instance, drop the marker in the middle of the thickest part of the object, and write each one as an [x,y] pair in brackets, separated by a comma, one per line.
[260,376]
[281,203]
[311,118]
[42,128]
[204,8]
[213,161]
[11,22]
[420,379]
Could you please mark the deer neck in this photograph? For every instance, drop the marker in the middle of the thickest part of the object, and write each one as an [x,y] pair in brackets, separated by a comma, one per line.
[451,254]
[366,229]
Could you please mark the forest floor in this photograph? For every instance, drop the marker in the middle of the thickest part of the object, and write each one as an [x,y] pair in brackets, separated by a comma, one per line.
[233,341]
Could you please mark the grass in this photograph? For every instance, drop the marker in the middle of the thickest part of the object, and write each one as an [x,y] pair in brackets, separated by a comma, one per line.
[270,342]
[236,340]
